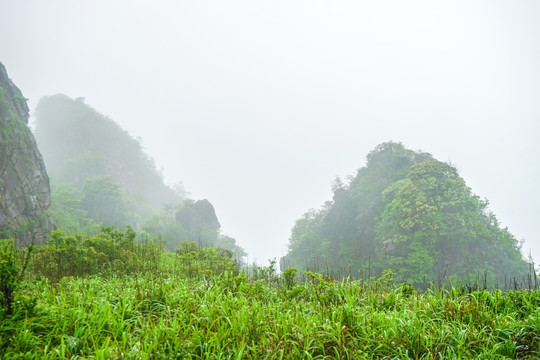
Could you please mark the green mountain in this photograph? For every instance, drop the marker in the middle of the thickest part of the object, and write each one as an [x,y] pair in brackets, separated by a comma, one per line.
[408,212]
[100,175]
[79,144]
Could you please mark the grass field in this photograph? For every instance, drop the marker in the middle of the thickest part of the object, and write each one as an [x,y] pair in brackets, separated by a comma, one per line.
[233,317]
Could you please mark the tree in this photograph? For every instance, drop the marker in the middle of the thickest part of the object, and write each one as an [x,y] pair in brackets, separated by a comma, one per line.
[164,226]
[228,244]
[12,269]
[102,199]
[306,243]
[67,211]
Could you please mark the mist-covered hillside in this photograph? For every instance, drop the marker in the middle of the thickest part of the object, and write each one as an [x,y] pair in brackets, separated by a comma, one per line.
[409,212]
[79,143]
[100,175]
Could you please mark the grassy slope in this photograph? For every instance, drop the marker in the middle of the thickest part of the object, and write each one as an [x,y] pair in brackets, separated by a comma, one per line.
[148,317]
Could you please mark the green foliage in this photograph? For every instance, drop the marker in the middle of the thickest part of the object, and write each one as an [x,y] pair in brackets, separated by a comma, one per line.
[103,200]
[307,244]
[228,244]
[110,251]
[196,304]
[113,252]
[165,227]
[20,99]
[228,316]
[12,270]
[196,263]
[267,274]
[443,229]
[67,210]
[409,212]
[288,278]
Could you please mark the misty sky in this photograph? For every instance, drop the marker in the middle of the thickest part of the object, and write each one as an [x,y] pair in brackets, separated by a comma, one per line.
[257,105]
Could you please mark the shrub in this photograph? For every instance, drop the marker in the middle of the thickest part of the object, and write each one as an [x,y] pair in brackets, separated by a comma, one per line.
[11,272]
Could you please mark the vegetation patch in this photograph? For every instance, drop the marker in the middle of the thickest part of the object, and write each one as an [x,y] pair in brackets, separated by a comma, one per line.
[409,212]
[108,297]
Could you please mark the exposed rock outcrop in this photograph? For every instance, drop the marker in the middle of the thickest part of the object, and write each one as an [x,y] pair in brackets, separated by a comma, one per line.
[199,215]
[24,183]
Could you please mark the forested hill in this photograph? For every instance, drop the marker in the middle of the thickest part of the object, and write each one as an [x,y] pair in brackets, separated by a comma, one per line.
[78,143]
[409,212]
[100,175]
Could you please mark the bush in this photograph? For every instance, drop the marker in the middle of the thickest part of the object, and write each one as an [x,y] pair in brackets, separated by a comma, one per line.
[110,251]
[12,269]
[195,262]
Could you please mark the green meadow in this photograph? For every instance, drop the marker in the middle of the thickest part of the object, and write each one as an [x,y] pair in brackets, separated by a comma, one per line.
[197,304]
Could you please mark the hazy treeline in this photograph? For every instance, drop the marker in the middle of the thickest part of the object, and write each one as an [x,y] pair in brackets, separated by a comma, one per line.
[409,212]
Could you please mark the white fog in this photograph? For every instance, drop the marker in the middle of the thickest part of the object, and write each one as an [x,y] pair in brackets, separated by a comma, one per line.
[258,105]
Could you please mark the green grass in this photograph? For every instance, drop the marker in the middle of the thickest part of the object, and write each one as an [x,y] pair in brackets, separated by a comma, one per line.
[232,317]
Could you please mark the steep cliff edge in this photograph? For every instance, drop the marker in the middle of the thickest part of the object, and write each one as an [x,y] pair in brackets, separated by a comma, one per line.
[24,183]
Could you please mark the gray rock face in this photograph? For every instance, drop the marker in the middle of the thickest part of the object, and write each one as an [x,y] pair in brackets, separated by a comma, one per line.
[24,184]
[200,215]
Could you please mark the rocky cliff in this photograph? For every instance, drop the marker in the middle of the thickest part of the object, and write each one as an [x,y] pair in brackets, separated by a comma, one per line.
[199,215]
[24,183]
